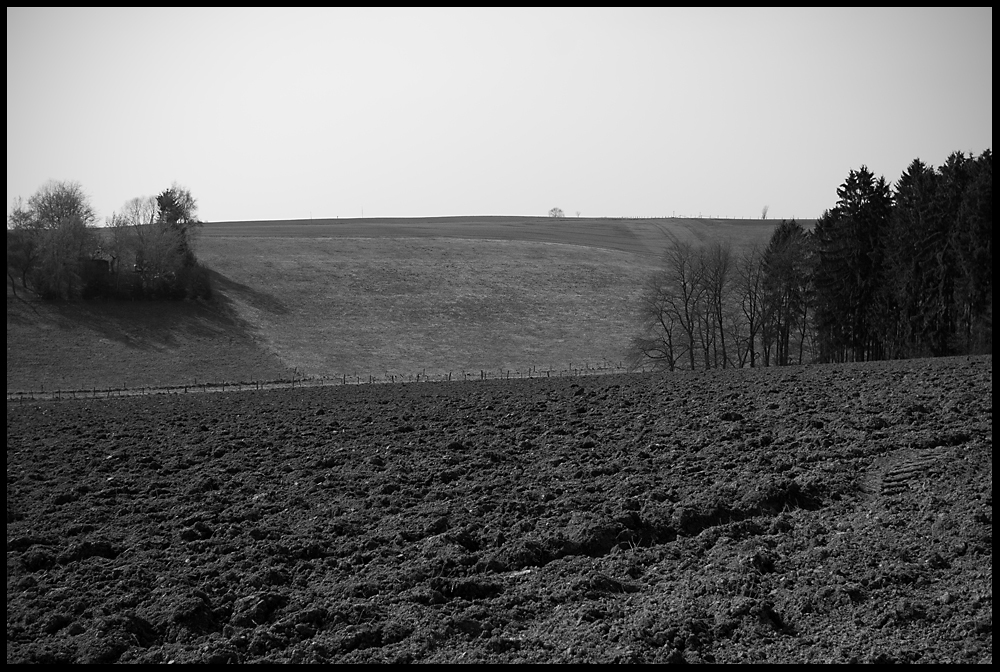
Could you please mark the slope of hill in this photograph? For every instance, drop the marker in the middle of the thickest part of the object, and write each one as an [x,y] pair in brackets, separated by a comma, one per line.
[636,236]
[372,297]
[445,295]
[81,346]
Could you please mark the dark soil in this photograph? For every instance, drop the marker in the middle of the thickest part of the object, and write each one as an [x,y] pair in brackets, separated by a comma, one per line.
[806,514]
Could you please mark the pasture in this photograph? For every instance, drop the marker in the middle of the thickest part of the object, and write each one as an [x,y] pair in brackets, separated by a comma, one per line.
[437,296]
[636,236]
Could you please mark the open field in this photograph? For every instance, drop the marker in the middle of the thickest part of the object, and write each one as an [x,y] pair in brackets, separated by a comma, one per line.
[636,236]
[837,513]
[401,306]
[433,296]
[369,298]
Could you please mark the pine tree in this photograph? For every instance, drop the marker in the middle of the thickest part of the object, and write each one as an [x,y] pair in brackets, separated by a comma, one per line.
[849,272]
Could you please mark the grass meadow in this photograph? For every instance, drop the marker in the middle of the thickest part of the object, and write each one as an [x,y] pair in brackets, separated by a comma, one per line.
[364,299]
[401,306]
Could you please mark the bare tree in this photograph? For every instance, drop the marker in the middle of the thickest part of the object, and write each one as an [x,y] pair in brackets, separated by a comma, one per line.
[671,309]
[659,341]
[716,276]
[556,212]
[738,336]
[51,236]
[144,241]
[23,244]
[785,265]
[129,239]
[750,293]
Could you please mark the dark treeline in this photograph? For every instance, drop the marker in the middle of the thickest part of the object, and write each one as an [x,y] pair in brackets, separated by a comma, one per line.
[886,273]
[56,251]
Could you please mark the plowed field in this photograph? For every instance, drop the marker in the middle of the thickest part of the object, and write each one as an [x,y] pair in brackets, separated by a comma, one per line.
[806,514]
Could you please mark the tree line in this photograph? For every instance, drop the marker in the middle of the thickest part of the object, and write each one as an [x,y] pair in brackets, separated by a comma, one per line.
[55,249]
[886,273]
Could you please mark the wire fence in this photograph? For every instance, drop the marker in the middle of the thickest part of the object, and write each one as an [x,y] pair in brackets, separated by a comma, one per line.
[108,392]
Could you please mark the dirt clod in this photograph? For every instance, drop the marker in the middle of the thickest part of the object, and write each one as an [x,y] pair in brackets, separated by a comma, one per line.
[729,517]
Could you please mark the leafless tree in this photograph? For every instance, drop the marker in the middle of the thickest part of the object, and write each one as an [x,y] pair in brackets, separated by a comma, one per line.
[659,341]
[671,308]
[750,293]
[23,244]
[785,265]
[141,241]
[51,235]
[717,279]
[684,268]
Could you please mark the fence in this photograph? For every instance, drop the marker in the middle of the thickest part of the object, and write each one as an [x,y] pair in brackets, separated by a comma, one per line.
[95,392]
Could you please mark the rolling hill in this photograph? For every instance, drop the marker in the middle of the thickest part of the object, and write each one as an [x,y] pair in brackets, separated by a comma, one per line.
[368,298]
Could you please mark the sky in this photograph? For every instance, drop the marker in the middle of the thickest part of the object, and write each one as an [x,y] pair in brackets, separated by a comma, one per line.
[634,112]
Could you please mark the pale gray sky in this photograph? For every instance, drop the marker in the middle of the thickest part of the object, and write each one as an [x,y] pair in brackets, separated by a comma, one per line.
[298,113]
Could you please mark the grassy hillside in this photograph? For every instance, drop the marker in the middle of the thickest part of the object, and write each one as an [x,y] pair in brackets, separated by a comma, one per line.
[367,297]
[401,306]
[73,346]
[636,236]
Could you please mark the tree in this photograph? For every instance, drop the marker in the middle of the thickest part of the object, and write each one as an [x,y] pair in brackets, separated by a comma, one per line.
[178,212]
[850,316]
[152,238]
[163,251]
[915,262]
[126,233]
[23,245]
[786,277]
[763,211]
[717,278]
[939,258]
[684,271]
[971,238]
[750,291]
[659,341]
[671,309]
[52,239]
[556,212]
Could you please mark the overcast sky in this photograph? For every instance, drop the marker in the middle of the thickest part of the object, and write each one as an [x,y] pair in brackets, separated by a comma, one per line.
[298,113]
